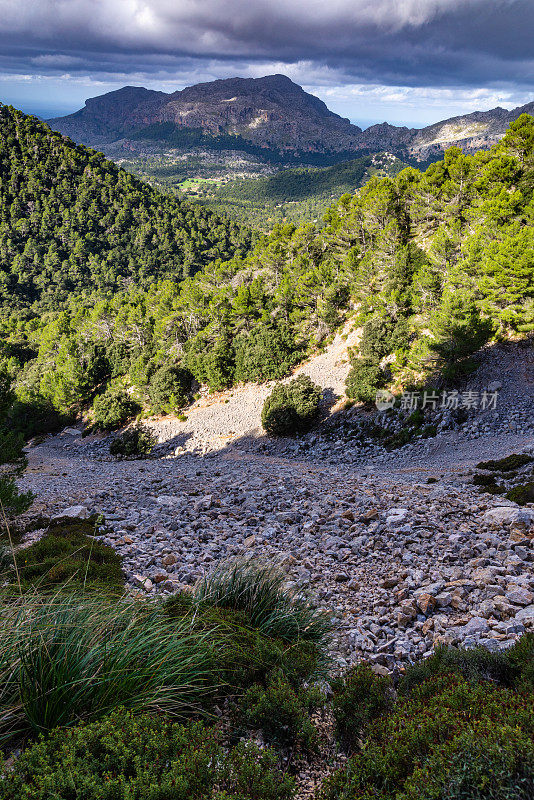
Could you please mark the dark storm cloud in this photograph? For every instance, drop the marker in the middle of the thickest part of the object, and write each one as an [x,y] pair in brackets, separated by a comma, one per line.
[390,42]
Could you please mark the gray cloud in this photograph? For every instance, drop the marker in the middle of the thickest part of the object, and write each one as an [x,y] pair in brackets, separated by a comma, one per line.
[403,42]
[414,44]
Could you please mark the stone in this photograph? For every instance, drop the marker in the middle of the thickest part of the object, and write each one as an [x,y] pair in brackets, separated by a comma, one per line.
[396,517]
[428,626]
[526,615]
[476,625]
[249,541]
[494,386]
[169,560]
[508,515]
[522,597]
[368,516]
[426,602]
[73,512]
[380,669]
[443,599]
[167,500]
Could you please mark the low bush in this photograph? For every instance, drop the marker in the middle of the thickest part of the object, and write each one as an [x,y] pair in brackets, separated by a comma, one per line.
[521,659]
[169,388]
[489,762]
[435,713]
[247,656]
[522,493]
[68,557]
[291,408]
[514,461]
[113,408]
[360,697]
[135,441]
[483,480]
[474,665]
[282,712]
[123,757]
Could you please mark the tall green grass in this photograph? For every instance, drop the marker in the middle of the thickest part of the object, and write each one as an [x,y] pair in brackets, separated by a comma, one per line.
[64,659]
[259,590]
[69,656]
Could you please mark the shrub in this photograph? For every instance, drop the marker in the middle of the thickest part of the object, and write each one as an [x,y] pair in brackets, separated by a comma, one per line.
[474,665]
[211,362]
[123,757]
[247,656]
[487,763]
[67,556]
[266,353]
[282,713]
[360,697]
[363,380]
[66,658]
[483,480]
[512,462]
[291,408]
[522,494]
[113,408]
[437,712]
[459,328]
[12,501]
[36,416]
[382,336]
[259,592]
[169,388]
[135,441]
[521,659]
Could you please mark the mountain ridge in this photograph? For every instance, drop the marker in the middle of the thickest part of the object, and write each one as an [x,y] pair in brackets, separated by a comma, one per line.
[270,112]
[273,112]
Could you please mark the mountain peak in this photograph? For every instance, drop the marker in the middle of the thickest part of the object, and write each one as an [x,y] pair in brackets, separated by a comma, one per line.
[271,111]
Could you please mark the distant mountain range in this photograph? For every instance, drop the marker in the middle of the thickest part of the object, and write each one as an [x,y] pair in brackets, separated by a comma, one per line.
[270,113]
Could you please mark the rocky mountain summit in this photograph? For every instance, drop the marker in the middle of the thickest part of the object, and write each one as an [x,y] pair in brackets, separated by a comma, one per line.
[270,112]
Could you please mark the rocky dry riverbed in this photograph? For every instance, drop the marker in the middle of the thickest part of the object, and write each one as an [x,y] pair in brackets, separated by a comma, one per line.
[403,556]
[400,546]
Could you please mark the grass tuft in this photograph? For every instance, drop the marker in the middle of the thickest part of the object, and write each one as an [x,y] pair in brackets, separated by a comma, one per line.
[65,658]
[260,592]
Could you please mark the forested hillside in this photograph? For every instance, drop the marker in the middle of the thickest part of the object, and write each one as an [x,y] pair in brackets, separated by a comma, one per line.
[71,221]
[298,194]
[432,264]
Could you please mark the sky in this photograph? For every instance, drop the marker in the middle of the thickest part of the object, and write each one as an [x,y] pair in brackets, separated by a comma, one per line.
[410,62]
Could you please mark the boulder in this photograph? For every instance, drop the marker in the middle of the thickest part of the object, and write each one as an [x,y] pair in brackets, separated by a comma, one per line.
[509,515]
[167,500]
[522,597]
[73,512]
[526,615]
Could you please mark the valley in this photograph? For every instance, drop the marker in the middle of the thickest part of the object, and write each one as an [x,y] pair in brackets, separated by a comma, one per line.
[267,452]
